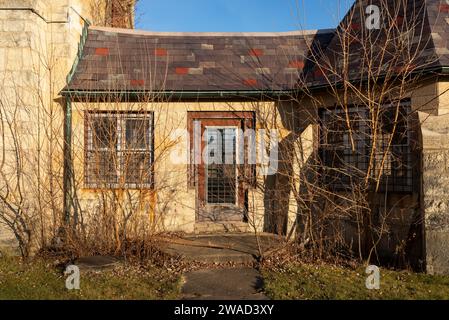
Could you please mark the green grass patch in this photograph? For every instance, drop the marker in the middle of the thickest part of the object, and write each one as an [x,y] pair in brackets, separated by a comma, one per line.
[39,280]
[324,282]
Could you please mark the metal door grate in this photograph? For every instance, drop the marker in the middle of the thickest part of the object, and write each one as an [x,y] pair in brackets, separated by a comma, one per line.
[221,165]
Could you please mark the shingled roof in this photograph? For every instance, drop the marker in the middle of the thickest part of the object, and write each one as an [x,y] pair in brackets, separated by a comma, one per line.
[414,37]
[438,19]
[131,60]
[120,59]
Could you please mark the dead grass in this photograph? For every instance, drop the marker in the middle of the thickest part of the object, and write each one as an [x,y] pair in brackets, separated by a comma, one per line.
[40,280]
[326,282]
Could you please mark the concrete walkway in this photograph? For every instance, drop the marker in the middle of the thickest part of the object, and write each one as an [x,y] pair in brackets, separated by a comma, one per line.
[223,284]
[237,248]
[241,283]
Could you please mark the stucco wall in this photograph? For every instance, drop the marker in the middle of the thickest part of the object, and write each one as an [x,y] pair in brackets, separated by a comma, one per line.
[175,201]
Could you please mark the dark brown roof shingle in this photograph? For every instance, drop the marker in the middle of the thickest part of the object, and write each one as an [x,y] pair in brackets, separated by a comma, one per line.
[132,60]
[115,59]
[413,36]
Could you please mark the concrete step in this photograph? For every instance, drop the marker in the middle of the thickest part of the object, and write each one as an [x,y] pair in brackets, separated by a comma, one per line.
[209,255]
[222,248]
[221,227]
[235,284]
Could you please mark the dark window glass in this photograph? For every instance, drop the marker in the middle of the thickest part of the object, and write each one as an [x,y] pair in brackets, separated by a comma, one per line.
[221,169]
[119,150]
[104,132]
[352,149]
[137,133]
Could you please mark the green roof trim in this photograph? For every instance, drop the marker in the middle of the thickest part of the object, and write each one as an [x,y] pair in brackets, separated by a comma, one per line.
[79,54]
[217,94]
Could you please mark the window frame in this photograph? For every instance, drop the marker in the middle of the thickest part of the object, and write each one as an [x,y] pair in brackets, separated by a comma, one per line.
[339,184]
[121,150]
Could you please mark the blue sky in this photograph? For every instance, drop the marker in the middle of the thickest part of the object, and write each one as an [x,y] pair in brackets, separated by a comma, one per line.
[239,15]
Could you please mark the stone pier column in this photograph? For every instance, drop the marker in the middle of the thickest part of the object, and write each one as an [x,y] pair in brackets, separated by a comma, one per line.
[435,202]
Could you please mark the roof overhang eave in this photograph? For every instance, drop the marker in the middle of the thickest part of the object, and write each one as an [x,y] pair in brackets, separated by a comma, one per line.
[445,70]
[209,94]
[439,70]
[179,95]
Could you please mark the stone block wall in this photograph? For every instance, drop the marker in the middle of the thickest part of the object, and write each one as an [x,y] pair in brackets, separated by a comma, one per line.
[175,206]
[435,140]
[38,43]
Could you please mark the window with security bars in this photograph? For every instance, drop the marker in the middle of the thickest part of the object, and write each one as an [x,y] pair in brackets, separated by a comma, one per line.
[119,150]
[355,144]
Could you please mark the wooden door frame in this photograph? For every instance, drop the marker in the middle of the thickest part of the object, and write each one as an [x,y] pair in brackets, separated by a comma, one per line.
[242,120]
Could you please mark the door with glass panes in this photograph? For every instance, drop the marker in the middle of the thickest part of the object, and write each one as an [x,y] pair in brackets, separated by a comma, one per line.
[220,191]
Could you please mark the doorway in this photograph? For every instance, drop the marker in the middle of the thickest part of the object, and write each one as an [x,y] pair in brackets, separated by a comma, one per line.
[219,172]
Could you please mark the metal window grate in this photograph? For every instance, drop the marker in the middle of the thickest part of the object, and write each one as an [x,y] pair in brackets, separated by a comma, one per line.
[382,151]
[119,149]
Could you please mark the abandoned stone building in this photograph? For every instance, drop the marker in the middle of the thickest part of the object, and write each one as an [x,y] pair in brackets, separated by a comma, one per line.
[131,112]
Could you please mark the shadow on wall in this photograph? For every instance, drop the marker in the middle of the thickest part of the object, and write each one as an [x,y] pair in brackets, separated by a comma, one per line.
[296,116]
[278,189]
[401,243]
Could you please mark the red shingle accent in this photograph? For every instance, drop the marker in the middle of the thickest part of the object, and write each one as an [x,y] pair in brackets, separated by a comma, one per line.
[250,82]
[298,64]
[137,82]
[444,7]
[355,26]
[160,52]
[101,51]
[399,69]
[405,69]
[318,73]
[399,20]
[256,52]
[182,70]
